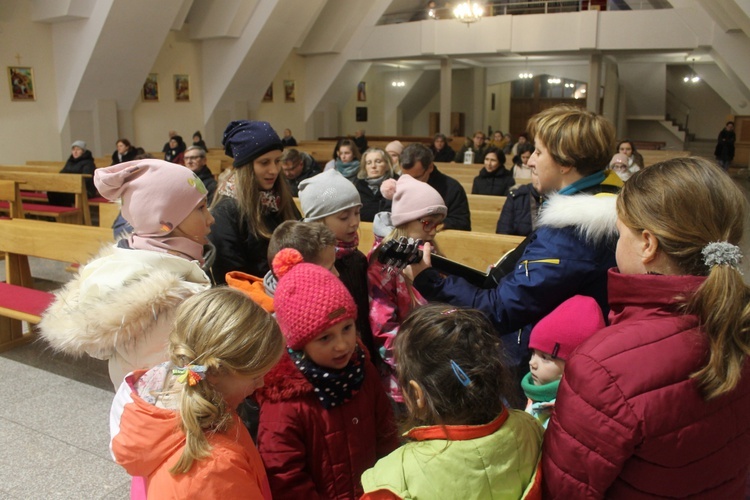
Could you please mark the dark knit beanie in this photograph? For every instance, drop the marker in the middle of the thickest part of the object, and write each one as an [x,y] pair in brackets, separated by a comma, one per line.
[246,140]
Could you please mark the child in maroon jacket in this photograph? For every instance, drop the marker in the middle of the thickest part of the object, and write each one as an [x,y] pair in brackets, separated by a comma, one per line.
[324,415]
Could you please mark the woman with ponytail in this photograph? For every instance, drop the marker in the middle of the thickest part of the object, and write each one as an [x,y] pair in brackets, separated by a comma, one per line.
[175,425]
[656,405]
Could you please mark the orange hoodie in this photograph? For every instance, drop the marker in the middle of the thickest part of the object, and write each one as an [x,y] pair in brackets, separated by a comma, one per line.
[147,441]
[252,287]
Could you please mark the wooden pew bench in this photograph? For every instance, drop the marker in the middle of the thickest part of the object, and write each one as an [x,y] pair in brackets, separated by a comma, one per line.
[486,202]
[10,196]
[474,249]
[21,239]
[484,221]
[63,183]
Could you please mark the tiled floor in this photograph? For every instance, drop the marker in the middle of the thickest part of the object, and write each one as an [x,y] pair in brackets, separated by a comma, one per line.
[54,428]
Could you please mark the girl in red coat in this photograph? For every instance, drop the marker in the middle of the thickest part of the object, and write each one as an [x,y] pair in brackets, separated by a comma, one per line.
[324,415]
[656,405]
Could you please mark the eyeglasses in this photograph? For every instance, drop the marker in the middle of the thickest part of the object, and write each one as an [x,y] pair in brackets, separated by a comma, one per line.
[429,225]
[191,158]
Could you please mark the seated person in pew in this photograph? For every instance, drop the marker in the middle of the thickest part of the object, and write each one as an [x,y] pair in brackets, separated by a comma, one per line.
[374,168]
[297,166]
[124,152]
[121,305]
[476,147]
[521,169]
[417,161]
[441,151]
[346,156]
[572,248]
[521,209]
[394,150]
[195,160]
[493,179]
[80,161]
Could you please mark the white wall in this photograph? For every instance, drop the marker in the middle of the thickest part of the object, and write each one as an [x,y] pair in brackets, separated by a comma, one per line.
[28,129]
[281,114]
[375,104]
[152,120]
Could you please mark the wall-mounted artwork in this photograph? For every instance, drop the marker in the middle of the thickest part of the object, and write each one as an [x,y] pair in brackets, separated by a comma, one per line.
[268,96]
[289,91]
[361,114]
[182,88]
[362,92]
[21,83]
[151,88]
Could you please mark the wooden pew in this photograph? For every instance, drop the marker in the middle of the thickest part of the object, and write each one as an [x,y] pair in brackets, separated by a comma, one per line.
[63,183]
[10,197]
[486,202]
[48,163]
[474,249]
[655,156]
[21,239]
[108,212]
[484,221]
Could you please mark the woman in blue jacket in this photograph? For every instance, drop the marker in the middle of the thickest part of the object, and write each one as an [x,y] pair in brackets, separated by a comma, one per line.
[572,247]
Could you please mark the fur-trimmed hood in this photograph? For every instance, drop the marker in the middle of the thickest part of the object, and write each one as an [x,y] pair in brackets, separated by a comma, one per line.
[594,216]
[117,298]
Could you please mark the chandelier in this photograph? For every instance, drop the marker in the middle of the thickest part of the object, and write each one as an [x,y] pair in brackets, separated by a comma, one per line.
[692,77]
[468,12]
[398,82]
[526,75]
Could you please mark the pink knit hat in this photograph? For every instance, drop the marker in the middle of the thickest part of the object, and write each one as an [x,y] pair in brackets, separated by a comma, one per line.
[308,300]
[156,195]
[412,199]
[395,146]
[619,159]
[565,328]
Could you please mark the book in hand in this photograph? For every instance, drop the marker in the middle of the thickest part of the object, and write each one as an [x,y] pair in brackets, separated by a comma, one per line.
[399,253]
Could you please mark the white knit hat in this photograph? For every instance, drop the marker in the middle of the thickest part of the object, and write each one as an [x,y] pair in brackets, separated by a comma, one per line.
[326,194]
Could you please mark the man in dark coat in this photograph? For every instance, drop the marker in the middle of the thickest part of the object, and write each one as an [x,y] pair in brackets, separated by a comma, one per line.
[195,160]
[417,161]
[297,166]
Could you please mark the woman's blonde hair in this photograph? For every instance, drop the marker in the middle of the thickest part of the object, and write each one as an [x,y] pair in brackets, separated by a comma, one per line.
[575,137]
[248,198]
[362,173]
[225,331]
[688,203]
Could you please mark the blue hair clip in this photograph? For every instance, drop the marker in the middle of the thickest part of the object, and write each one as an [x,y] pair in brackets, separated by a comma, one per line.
[460,374]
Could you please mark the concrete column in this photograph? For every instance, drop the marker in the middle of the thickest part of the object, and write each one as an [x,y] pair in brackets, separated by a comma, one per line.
[446,91]
[592,96]
[105,127]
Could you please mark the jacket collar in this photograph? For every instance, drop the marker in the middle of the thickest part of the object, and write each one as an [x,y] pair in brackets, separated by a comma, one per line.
[458,432]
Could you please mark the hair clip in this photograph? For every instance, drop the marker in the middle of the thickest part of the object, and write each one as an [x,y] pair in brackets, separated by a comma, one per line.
[449,311]
[190,374]
[460,374]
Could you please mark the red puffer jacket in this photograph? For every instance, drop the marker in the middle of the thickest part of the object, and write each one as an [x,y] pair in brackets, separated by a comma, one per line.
[310,452]
[629,421]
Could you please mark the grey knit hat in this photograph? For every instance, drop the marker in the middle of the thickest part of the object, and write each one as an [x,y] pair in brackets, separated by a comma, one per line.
[78,144]
[326,194]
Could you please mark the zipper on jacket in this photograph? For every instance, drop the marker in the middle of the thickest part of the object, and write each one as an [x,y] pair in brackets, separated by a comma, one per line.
[539,261]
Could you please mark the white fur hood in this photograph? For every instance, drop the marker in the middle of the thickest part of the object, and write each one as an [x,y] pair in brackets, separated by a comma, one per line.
[594,216]
[116,299]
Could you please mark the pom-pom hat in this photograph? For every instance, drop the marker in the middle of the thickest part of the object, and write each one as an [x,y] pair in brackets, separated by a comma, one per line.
[326,194]
[246,140]
[156,195]
[412,200]
[619,159]
[309,299]
[565,328]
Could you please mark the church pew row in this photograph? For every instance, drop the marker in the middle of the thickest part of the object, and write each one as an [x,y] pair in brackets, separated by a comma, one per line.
[21,239]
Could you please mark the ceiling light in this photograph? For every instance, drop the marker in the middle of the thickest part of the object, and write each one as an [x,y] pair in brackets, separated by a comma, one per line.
[468,12]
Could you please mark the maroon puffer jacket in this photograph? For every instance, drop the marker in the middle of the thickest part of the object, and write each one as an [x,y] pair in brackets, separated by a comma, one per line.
[310,452]
[629,422]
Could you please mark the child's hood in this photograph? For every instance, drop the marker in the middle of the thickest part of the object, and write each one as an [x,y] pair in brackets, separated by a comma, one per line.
[143,435]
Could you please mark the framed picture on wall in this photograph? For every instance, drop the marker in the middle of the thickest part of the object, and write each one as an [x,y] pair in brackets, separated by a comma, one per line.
[268,96]
[21,83]
[151,88]
[289,91]
[361,114]
[182,88]
[362,92]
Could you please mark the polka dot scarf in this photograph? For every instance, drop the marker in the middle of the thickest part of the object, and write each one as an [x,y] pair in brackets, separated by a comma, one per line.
[332,387]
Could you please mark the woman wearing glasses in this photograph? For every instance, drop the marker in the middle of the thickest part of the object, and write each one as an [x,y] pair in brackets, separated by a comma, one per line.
[572,247]
[417,211]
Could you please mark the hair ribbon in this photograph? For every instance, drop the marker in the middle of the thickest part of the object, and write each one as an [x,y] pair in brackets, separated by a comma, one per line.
[190,374]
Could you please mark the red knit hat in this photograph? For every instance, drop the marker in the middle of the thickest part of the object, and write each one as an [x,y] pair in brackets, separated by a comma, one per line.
[565,328]
[309,299]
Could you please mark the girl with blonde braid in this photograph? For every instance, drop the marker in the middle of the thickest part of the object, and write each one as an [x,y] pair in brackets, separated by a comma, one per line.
[175,424]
